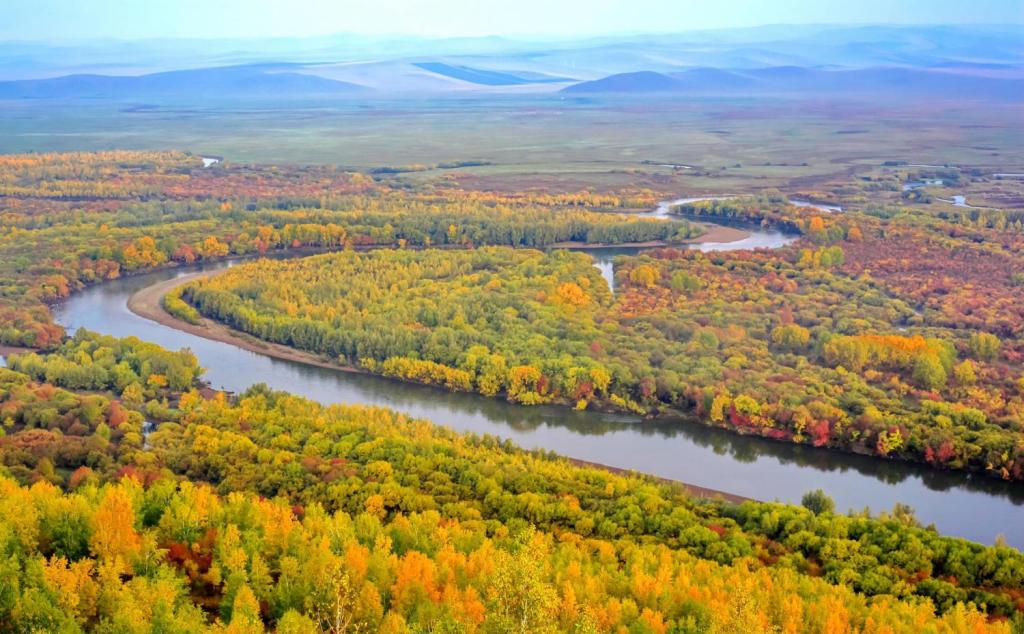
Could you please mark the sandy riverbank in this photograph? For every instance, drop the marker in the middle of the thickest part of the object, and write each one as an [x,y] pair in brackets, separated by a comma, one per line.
[692,489]
[146,304]
[719,234]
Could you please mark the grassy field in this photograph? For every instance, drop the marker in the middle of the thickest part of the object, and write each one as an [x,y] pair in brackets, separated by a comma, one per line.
[549,141]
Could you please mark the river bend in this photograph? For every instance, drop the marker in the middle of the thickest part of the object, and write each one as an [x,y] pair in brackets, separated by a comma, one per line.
[966,505]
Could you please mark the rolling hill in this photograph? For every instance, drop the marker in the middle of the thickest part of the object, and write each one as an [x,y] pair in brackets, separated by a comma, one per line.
[489,77]
[783,80]
[264,80]
[825,46]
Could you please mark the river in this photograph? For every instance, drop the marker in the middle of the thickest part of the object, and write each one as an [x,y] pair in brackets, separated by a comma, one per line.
[958,200]
[967,505]
[757,238]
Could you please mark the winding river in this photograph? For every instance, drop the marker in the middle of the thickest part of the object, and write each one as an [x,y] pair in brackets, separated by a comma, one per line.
[756,238]
[966,505]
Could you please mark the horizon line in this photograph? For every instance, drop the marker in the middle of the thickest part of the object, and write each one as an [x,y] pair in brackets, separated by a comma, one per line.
[514,37]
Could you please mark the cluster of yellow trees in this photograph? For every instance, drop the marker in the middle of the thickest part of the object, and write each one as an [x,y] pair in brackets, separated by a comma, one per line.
[273,512]
[494,320]
[117,174]
[120,558]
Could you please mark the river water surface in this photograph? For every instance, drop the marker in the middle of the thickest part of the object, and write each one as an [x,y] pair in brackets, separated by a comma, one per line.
[757,238]
[966,505]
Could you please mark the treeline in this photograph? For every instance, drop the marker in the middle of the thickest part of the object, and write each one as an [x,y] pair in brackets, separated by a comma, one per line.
[430,494]
[780,344]
[176,306]
[86,177]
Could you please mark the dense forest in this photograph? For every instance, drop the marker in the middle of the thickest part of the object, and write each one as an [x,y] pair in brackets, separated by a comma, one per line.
[135,499]
[67,220]
[784,344]
[273,510]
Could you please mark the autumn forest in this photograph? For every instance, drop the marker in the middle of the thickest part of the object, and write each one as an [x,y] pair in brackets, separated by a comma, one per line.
[136,497]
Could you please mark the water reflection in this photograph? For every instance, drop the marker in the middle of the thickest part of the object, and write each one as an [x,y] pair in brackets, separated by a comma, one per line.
[758,238]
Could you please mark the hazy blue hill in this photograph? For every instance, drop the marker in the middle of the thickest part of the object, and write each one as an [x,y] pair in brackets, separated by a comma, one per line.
[638,82]
[848,47]
[489,77]
[233,81]
[883,81]
[713,79]
[931,61]
[697,80]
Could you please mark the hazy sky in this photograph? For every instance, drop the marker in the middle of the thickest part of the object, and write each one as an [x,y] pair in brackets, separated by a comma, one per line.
[139,19]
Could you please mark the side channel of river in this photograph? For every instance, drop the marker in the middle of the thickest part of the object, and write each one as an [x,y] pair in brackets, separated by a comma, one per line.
[966,505]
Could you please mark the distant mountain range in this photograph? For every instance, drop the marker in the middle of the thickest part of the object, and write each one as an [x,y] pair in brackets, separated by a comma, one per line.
[489,77]
[930,61]
[823,46]
[269,80]
[283,81]
[809,81]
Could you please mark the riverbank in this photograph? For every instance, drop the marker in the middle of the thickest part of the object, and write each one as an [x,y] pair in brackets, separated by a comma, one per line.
[9,350]
[147,304]
[693,490]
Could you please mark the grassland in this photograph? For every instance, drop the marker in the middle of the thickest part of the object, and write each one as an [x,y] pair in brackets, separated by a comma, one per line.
[552,142]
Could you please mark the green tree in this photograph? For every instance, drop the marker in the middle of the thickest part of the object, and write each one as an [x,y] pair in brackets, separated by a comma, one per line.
[929,373]
[818,502]
[985,346]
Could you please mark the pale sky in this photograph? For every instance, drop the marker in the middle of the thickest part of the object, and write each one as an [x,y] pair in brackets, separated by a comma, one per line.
[49,20]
